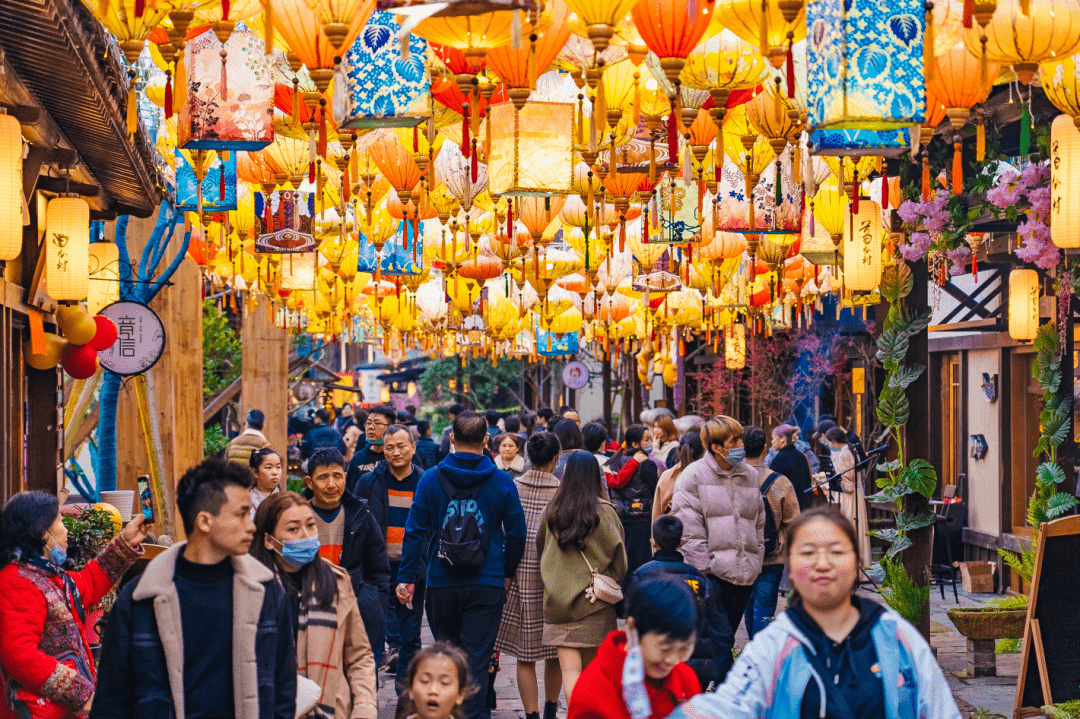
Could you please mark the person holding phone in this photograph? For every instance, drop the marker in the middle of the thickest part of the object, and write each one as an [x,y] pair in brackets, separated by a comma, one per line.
[47,668]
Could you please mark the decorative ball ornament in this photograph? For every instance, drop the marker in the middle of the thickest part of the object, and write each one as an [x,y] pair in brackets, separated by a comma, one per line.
[106,334]
[54,349]
[78,327]
[80,361]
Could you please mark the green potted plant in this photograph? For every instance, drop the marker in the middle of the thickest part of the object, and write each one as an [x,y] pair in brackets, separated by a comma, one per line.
[89,530]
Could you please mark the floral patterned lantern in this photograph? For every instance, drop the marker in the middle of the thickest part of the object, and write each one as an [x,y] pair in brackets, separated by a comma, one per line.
[230,97]
[383,87]
[865,64]
[769,216]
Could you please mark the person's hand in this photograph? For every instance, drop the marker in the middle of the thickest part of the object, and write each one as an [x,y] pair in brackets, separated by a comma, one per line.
[85,711]
[640,457]
[405,593]
[136,530]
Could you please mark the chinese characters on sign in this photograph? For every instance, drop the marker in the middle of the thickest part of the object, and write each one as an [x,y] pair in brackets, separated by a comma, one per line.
[140,341]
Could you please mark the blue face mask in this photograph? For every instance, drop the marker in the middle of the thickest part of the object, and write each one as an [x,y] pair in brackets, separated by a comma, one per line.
[57,554]
[299,552]
[734,456]
[833,449]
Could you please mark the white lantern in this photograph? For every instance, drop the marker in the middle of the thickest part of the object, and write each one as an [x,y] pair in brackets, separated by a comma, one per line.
[298,271]
[1064,182]
[862,247]
[11,216]
[735,347]
[1023,304]
[531,148]
[67,247]
[104,286]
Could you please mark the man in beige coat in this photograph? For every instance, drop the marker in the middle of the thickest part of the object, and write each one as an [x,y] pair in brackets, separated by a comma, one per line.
[718,500]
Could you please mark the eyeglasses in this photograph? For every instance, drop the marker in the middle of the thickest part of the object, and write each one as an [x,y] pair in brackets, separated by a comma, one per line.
[373,423]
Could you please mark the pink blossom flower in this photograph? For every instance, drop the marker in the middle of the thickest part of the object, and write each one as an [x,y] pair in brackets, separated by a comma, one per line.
[908,211]
[1037,248]
[1040,202]
[959,259]
[1034,175]
[916,248]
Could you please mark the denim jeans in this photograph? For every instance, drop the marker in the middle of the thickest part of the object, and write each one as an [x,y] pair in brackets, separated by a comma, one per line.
[762,607]
[469,617]
[403,626]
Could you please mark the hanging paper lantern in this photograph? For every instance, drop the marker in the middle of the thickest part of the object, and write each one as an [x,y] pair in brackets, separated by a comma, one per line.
[1064,182]
[601,17]
[862,247]
[382,87]
[771,26]
[396,256]
[67,247]
[865,64]
[733,211]
[671,29]
[230,97]
[1023,33]
[11,199]
[1023,304]
[861,143]
[735,347]
[298,271]
[104,286]
[215,173]
[518,68]
[531,150]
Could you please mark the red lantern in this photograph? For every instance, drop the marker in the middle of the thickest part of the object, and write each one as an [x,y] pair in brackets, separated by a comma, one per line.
[106,334]
[80,361]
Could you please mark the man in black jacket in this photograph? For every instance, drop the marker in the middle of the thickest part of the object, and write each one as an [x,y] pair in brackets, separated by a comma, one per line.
[444,442]
[365,458]
[206,631]
[792,463]
[351,538]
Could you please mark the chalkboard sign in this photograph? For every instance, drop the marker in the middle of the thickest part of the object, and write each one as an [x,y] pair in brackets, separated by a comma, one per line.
[1050,666]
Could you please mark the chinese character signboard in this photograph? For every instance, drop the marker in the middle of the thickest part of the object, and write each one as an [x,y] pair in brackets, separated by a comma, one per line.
[140,338]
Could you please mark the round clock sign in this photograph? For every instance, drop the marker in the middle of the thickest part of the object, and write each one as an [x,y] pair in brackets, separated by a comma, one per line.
[140,338]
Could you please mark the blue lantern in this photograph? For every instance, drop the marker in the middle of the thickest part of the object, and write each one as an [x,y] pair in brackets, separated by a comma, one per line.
[550,344]
[402,254]
[217,195]
[865,64]
[853,143]
[383,88]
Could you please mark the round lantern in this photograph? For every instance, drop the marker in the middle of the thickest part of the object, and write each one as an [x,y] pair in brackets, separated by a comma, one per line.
[1064,182]
[1023,304]
[67,247]
[735,347]
[11,151]
[862,248]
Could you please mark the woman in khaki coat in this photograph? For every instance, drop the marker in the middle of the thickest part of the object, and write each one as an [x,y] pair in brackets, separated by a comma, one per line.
[332,647]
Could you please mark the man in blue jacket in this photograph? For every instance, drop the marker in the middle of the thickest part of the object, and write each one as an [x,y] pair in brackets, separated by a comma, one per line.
[321,435]
[465,606]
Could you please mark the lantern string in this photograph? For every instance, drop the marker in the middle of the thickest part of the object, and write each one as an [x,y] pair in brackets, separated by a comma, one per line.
[224,73]
[929,69]
[925,176]
[980,138]
[515,30]
[672,136]
[1025,129]
[764,49]
[884,187]
[636,108]
[268,28]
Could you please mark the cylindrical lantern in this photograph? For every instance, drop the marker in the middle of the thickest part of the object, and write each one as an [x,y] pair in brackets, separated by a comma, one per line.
[531,149]
[298,271]
[770,217]
[1023,304]
[104,287]
[11,216]
[735,347]
[1064,182]
[67,247]
[862,248]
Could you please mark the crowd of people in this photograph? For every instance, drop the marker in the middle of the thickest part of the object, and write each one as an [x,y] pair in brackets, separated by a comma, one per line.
[532,536]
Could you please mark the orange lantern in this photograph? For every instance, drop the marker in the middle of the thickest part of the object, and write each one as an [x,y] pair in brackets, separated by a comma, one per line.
[396,164]
[536,213]
[669,29]
[518,69]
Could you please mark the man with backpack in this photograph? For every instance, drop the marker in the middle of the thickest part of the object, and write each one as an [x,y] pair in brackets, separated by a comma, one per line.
[781,509]
[466,517]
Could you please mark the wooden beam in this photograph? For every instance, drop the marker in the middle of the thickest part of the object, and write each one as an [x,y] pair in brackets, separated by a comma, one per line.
[89,424]
[222,398]
[62,184]
[992,324]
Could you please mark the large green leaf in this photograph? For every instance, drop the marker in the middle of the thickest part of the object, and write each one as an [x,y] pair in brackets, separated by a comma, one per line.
[898,546]
[904,376]
[907,523]
[892,346]
[896,282]
[891,466]
[1058,504]
[1050,473]
[893,407]
[919,321]
[889,495]
[921,477]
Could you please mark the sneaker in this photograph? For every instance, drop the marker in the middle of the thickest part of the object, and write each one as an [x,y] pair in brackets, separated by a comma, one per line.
[389,662]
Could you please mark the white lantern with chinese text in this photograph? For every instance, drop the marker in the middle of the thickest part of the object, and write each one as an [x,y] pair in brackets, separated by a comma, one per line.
[735,347]
[104,287]
[1023,304]
[1064,182]
[67,248]
[862,247]
[11,216]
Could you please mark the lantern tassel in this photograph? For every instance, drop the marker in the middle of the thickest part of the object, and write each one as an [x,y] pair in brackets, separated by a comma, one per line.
[466,146]
[764,48]
[474,163]
[600,104]
[925,178]
[957,169]
[296,103]
[268,28]
[672,135]
[221,182]
[929,69]
[686,166]
[884,188]
[1025,130]
[268,215]
[984,70]
[980,142]
[790,72]
[855,193]
[132,110]
[644,229]
[225,10]
[224,75]
[168,96]
[636,107]
[515,30]
[416,139]
[969,13]
[322,133]
[779,189]
[532,63]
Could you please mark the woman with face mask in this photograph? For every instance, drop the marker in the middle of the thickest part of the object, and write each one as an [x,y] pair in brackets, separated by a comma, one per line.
[47,669]
[718,500]
[332,647]
[851,497]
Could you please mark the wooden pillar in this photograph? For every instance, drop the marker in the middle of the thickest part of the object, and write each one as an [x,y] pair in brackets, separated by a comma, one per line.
[917,441]
[43,431]
[265,372]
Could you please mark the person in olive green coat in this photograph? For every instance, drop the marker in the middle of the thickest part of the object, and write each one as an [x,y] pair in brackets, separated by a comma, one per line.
[579,533]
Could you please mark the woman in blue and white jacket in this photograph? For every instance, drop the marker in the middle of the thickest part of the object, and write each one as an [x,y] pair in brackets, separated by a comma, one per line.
[831,655]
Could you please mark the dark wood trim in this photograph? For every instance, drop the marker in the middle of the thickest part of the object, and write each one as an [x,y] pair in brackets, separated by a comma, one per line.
[980,539]
[43,431]
[1004,428]
[917,558]
[982,341]
[992,324]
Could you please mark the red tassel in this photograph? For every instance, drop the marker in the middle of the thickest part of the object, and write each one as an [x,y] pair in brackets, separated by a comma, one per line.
[673,135]
[465,145]
[855,193]
[790,72]
[969,12]
[925,179]
[622,236]
[168,96]
[346,182]
[884,187]
[716,171]
[644,231]
[281,211]
[221,182]
[474,164]
[975,266]
[510,222]
[140,5]
[311,172]
[224,9]
[322,134]
[415,238]
[416,139]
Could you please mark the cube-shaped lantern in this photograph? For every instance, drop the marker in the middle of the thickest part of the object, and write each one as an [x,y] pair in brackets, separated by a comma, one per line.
[403,254]
[217,195]
[865,64]
[531,149]
[770,217]
[383,89]
[680,222]
[283,222]
[856,143]
[550,344]
[230,107]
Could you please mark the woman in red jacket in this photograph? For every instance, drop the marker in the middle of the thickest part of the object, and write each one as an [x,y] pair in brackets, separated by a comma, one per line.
[642,673]
[47,669]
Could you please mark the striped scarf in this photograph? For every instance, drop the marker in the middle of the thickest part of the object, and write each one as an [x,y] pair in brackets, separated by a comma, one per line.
[326,619]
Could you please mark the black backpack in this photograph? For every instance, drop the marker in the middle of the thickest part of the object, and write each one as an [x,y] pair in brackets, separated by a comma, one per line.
[463,536]
[772,530]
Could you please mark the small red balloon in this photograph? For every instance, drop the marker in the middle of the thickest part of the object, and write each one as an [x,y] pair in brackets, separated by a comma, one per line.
[106,334]
[80,361]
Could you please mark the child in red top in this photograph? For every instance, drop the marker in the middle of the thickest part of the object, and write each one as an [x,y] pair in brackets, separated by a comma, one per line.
[642,673]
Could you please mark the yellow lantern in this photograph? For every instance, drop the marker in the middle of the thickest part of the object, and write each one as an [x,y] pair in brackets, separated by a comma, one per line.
[1061,83]
[104,286]
[600,18]
[735,347]
[11,152]
[1064,182]
[531,151]
[298,271]
[1023,304]
[67,242]
[1023,33]
[862,247]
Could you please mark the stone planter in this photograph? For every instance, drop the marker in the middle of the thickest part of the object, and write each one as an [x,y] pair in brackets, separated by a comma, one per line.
[981,626]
